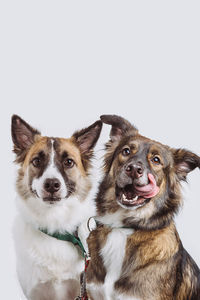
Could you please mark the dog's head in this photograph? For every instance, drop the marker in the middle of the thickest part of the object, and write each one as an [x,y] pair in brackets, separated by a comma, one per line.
[142,176]
[53,169]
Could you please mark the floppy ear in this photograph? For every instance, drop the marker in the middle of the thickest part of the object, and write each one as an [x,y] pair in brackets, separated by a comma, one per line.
[120,127]
[184,162]
[86,138]
[23,136]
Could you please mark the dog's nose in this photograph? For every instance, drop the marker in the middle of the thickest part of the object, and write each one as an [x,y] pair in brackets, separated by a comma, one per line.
[134,170]
[52,185]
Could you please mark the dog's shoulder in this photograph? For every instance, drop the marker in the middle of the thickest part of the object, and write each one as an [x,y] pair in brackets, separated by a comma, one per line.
[187,273]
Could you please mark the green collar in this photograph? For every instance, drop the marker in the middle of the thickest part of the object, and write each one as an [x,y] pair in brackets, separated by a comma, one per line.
[67,237]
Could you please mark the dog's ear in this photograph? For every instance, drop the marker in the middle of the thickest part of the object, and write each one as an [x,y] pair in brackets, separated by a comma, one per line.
[120,127]
[86,138]
[23,136]
[184,162]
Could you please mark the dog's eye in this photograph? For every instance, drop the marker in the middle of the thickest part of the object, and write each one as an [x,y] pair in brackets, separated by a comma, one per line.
[68,162]
[156,160]
[126,152]
[36,162]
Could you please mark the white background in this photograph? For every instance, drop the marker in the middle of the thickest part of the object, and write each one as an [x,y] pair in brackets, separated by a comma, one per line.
[64,63]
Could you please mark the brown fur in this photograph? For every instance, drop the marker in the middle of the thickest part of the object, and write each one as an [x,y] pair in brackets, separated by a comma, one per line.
[41,144]
[70,147]
[45,291]
[29,144]
[150,250]
[97,240]
[155,266]
[53,186]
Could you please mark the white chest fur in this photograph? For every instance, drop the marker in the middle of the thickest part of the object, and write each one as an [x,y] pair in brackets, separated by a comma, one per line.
[41,258]
[113,255]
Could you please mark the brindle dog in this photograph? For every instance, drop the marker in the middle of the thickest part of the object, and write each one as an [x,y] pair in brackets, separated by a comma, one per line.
[136,252]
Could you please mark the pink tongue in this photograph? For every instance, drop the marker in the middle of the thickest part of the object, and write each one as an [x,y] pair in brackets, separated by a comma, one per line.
[149,190]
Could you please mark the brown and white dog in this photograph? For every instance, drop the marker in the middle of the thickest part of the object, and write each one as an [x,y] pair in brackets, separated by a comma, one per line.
[52,185]
[136,252]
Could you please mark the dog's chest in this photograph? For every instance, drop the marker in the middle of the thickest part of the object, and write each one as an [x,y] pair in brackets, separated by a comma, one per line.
[113,254]
[56,258]
[47,257]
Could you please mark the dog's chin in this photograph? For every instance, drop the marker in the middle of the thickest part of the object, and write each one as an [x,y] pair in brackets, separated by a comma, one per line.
[128,199]
[51,200]
[47,199]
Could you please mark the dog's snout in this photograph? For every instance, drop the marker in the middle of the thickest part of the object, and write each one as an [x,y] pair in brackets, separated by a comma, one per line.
[134,170]
[52,185]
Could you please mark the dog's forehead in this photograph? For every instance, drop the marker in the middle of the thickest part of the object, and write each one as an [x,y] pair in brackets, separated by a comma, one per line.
[62,145]
[50,145]
[147,145]
[43,144]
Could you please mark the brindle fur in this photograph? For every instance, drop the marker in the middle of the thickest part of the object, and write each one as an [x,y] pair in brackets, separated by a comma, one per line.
[155,266]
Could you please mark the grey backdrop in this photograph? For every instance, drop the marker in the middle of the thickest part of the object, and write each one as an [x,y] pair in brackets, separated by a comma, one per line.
[64,63]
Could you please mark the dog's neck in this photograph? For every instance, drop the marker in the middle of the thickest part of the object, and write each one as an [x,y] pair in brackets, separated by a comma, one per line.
[66,216]
[72,238]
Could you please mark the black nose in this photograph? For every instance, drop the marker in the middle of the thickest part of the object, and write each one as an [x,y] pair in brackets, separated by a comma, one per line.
[52,185]
[134,170]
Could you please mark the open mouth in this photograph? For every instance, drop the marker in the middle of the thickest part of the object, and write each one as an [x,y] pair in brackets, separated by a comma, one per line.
[128,197]
[136,196]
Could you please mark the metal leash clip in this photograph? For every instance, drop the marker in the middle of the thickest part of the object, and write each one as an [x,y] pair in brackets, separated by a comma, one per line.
[91,224]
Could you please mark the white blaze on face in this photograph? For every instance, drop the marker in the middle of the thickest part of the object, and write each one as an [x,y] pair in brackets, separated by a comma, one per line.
[50,173]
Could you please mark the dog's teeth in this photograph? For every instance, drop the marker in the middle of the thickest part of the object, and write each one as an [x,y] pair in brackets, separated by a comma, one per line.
[124,197]
[129,200]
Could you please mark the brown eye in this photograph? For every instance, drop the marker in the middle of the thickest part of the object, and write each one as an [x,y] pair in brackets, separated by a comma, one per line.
[68,162]
[36,162]
[126,152]
[156,160]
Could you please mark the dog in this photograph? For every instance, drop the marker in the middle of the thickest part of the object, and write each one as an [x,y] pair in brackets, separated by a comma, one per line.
[136,252]
[52,185]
